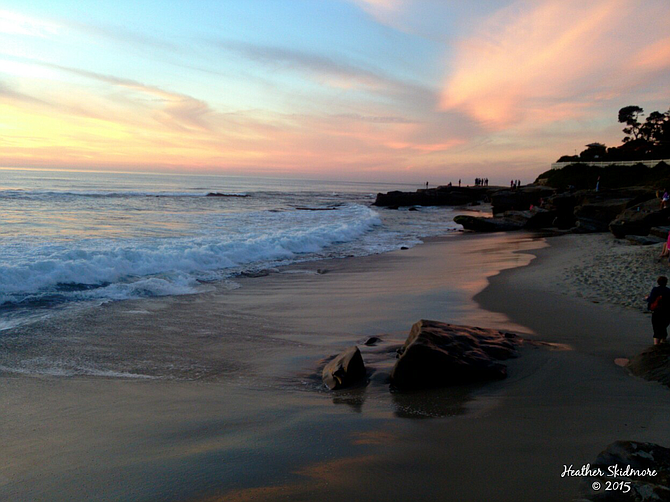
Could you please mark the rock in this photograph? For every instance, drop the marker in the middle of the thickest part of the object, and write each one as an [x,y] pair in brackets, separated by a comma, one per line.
[373,340]
[639,219]
[643,241]
[412,209]
[597,215]
[660,232]
[219,194]
[437,354]
[520,199]
[652,364]
[481,224]
[344,370]
[588,226]
[404,248]
[531,218]
[593,210]
[645,467]
[440,196]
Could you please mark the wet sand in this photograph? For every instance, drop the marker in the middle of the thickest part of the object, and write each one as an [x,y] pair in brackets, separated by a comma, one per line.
[216,396]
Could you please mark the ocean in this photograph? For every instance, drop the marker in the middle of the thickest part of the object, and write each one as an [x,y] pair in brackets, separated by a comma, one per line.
[85,238]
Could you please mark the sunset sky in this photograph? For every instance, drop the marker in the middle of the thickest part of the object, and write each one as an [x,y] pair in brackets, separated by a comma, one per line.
[395,90]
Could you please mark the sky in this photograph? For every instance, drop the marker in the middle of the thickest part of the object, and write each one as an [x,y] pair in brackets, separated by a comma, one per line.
[375,90]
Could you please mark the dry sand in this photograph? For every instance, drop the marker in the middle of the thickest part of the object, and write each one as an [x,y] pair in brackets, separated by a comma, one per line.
[612,271]
[234,411]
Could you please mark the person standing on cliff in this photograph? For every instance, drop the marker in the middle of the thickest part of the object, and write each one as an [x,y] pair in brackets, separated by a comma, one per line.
[658,302]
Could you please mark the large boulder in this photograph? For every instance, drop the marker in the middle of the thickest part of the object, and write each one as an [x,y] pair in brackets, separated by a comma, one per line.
[437,354]
[652,364]
[639,471]
[639,219]
[344,369]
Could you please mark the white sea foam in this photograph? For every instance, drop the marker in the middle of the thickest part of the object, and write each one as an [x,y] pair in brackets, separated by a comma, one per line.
[119,269]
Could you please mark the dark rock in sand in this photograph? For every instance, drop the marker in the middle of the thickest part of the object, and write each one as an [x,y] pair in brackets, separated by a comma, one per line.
[255,273]
[645,467]
[437,354]
[373,340]
[652,364]
[344,370]
[639,219]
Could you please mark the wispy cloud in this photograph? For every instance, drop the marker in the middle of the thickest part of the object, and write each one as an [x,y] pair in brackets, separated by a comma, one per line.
[322,68]
[14,23]
[177,110]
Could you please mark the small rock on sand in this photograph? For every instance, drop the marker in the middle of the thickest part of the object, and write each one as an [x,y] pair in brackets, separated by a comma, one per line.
[344,370]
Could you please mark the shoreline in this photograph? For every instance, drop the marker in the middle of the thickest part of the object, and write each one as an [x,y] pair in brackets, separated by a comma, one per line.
[240,416]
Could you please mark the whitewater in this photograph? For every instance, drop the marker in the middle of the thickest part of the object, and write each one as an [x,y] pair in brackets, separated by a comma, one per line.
[73,237]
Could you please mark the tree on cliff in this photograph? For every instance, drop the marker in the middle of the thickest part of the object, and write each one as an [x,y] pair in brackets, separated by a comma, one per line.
[629,115]
[648,140]
[594,151]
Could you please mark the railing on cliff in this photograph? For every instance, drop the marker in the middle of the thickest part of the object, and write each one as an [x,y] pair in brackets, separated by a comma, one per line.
[648,163]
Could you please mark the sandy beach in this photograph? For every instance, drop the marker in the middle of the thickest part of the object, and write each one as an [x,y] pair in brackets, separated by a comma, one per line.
[217,396]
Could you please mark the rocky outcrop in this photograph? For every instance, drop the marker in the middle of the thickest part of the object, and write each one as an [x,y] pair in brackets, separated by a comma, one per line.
[344,370]
[510,220]
[440,196]
[639,219]
[625,211]
[652,364]
[519,199]
[643,467]
[437,354]
[482,224]
[596,215]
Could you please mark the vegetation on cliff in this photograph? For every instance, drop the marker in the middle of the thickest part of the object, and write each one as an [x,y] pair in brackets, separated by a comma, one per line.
[642,141]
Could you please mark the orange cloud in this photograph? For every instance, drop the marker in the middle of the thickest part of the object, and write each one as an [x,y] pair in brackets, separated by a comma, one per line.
[654,56]
[536,55]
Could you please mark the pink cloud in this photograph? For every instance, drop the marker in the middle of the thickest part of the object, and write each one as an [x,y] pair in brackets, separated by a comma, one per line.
[551,56]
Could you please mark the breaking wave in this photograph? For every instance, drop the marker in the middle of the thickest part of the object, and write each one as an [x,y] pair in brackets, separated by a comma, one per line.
[120,269]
